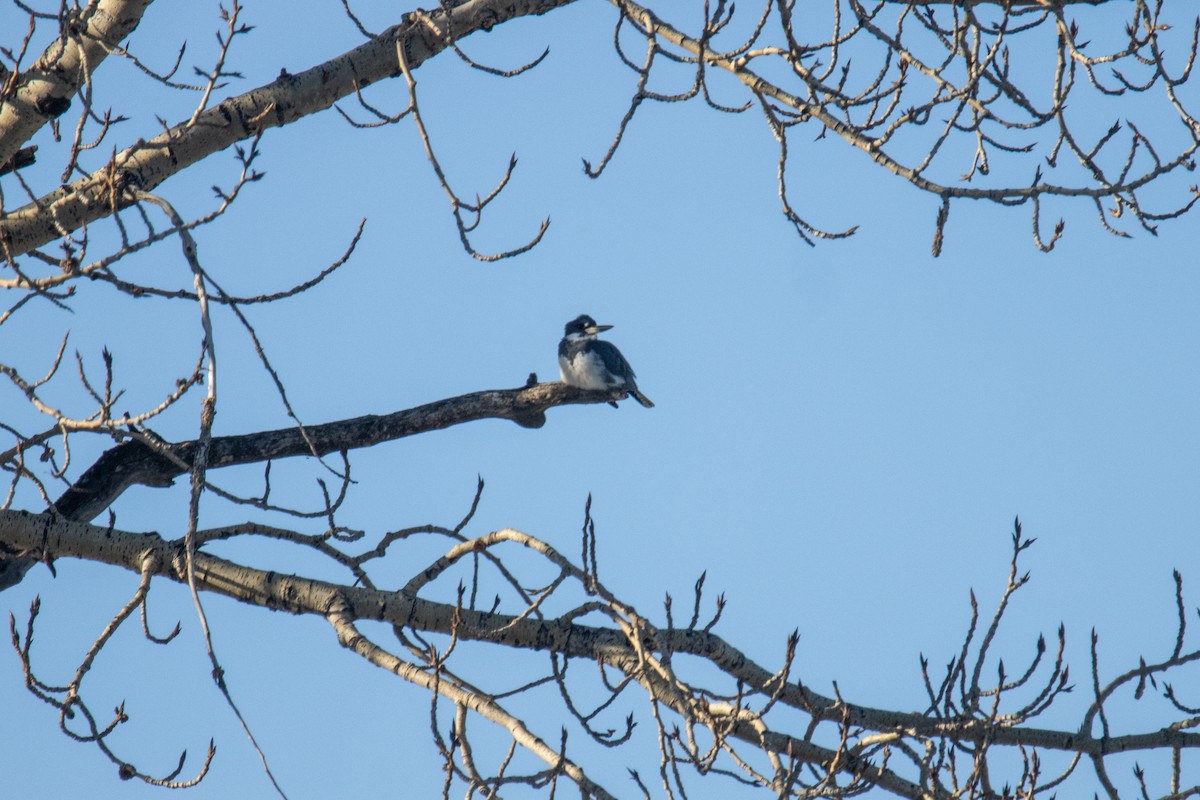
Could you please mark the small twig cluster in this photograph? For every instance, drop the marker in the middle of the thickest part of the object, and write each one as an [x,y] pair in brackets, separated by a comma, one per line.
[68,700]
[937,94]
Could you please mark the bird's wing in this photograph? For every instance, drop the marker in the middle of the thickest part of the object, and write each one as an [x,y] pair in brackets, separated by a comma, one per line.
[614,362]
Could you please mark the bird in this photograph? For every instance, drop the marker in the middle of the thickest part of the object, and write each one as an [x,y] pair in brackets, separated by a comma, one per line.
[589,363]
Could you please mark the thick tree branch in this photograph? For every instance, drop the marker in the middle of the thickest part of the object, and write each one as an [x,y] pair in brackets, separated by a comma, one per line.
[43,92]
[133,462]
[146,164]
[42,534]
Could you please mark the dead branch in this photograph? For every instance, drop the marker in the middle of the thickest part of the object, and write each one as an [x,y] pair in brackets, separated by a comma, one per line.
[650,656]
[132,462]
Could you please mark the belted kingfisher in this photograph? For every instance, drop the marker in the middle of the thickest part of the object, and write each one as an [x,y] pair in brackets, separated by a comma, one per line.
[587,362]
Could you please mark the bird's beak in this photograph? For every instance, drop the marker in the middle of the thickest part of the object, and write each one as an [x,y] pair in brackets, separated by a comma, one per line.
[592,331]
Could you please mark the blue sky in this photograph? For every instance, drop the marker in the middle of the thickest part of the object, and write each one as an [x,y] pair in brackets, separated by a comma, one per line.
[842,436]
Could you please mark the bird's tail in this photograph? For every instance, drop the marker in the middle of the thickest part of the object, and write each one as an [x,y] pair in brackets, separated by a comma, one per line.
[641,398]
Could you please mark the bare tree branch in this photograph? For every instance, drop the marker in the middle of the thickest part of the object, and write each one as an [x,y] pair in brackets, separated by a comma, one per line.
[148,163]
[630,644]
[150,462]
[133,462]
[43,92]
[938,97]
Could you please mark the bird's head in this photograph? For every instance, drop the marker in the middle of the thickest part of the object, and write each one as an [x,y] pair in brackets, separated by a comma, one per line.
[583,327]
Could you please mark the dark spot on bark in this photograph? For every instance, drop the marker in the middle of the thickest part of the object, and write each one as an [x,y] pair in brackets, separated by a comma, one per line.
[22,158]
[52,107]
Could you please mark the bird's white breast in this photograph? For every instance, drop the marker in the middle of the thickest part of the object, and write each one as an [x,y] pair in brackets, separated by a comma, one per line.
[587,371]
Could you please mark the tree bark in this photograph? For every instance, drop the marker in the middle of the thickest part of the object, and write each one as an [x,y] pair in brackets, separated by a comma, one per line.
[288,98]
[55,538]
[133,462]
[44,90]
